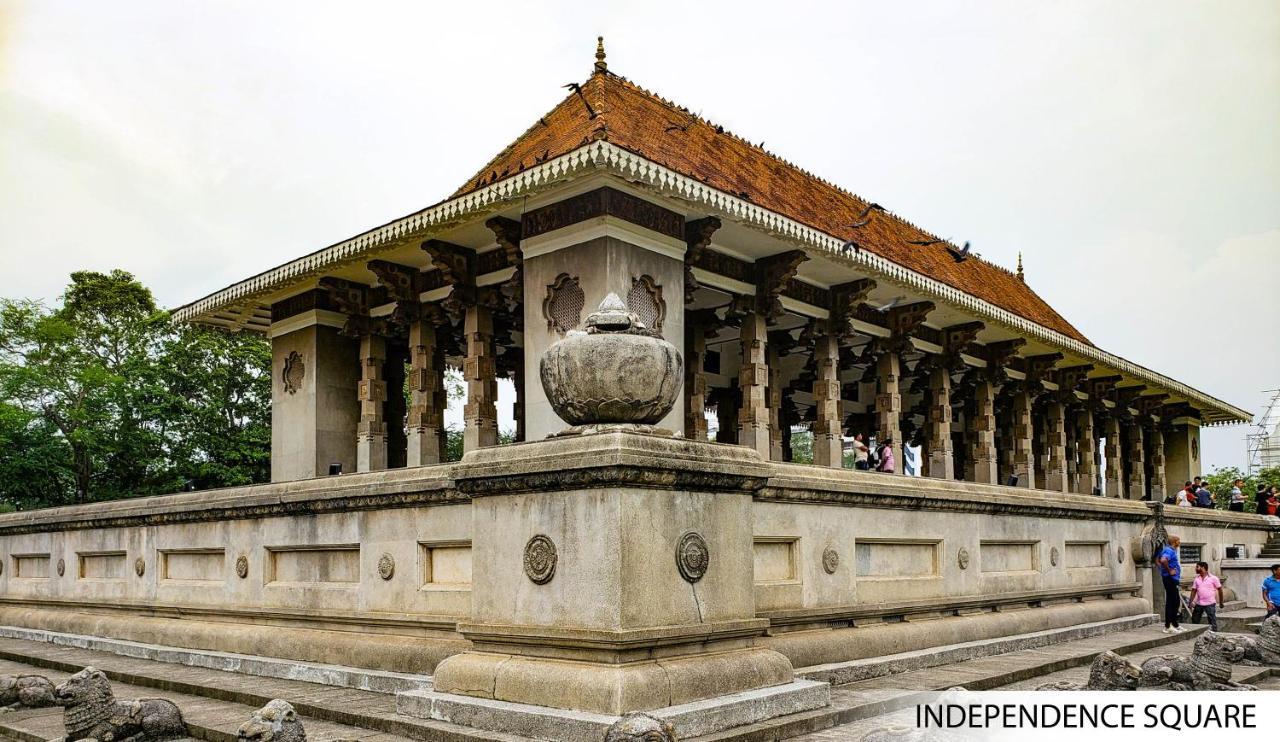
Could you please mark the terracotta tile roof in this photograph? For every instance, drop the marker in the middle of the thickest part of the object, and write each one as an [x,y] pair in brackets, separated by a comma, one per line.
[638,121]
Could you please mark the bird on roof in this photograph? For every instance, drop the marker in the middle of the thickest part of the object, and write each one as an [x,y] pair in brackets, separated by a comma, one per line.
[675,127]
[865,217]
[575,87]
[961,254]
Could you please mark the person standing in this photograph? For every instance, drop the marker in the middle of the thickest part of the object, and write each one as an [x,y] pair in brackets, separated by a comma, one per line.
[860,453]
[1170,574]
[1205,595]
[1237,497]
[884,457]
[1271,591]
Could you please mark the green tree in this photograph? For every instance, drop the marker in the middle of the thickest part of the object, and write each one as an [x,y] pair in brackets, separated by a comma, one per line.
[1221,480]
[105,398]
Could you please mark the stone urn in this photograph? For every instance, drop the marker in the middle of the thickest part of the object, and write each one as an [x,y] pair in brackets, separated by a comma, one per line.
[615,373]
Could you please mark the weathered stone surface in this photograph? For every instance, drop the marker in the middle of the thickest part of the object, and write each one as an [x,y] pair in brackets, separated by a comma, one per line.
[615,372]
[1208,667]
[25,691]
[274,722]
[92,712]
[1109,671]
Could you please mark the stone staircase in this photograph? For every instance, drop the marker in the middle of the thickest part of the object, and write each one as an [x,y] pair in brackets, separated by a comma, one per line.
[1272,548]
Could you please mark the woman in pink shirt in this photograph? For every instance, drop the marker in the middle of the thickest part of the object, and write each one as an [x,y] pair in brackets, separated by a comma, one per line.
[1206,595]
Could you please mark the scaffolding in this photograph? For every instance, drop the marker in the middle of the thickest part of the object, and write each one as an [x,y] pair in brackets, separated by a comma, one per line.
[1262,444]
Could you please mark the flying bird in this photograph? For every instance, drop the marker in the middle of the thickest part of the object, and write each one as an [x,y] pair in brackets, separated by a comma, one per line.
[575,87]
[865,217]
[850,247]
[895,301]
[960,255]
[678,127]
[924,243]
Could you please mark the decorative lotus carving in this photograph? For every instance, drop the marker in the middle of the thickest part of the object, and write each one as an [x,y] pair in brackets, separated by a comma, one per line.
[614,373]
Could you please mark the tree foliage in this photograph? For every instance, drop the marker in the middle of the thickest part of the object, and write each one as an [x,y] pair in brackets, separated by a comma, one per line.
[1221,480]
[104,397]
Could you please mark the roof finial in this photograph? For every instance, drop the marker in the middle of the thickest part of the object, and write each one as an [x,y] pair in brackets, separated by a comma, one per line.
[600,63]
[1020,276]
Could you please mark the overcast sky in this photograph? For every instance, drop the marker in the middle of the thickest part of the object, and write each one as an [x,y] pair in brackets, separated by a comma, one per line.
[1130,150]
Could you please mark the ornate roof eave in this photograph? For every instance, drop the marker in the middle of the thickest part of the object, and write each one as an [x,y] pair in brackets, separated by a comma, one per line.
[603,155]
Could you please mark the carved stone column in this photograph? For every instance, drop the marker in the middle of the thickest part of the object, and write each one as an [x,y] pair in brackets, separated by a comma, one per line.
[828,443]
[480,414]
[775,403]
[1023,430]
[982,433]
[889,404]
[1055,436]
[1137,468]
[517,407]
[425,379]
[1114,473]
[1155,445]
[695,379]
[941,461]
[1087,451]
[394,411]
[753,383]
[371,433]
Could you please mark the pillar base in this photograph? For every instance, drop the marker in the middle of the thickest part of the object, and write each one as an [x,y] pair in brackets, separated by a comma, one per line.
[698,694]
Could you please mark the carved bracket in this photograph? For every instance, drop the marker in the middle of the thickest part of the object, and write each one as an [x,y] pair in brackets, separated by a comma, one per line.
[697,235]
[845,300]
[772,275]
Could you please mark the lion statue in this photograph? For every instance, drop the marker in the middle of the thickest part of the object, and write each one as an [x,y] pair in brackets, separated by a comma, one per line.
[25,691]
[93,713]
[1264,649]
[1208,667]
[275,722]
[1109,671]
[640,728]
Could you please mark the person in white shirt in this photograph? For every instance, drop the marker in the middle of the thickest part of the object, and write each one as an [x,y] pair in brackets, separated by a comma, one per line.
[1184,498]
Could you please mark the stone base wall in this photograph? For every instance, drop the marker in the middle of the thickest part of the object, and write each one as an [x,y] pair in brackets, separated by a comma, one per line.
[374,570]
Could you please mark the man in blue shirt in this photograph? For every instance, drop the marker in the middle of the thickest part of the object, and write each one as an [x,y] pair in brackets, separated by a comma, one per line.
[1271,591]
[1170,574]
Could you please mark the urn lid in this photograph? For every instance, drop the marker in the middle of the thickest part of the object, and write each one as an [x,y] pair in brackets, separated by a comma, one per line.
[612,316]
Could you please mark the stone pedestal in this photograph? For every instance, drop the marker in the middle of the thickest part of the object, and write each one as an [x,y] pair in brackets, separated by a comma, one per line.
[612,572]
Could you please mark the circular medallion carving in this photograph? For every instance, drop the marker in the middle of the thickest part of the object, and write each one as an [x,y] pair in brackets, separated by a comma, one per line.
[1120,554]
[830,560]
[242,566]
[692,556]
[962,558]
[139,566]
[540,559]
[294,372]
[62,567]
[1053,556]
[386,566]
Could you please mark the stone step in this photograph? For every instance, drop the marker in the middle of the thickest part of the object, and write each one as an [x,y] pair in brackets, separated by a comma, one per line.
[840,673]
[888,693]
[369,712]
[1241,620]
[206,719]
[380,681]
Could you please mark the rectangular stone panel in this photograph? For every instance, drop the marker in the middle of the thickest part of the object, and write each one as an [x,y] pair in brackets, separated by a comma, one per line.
[445,564]
[889,559]
[328,564]
[1008,556]
[775,560]
[1083,554]
[101,565]
[193,565]
[30,565]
